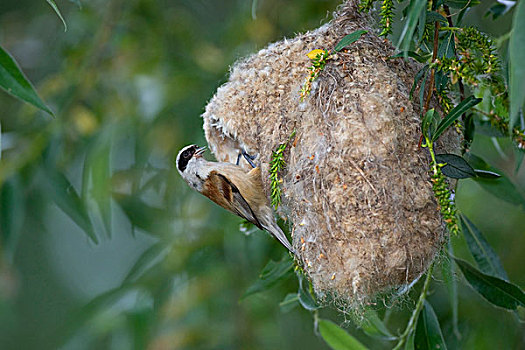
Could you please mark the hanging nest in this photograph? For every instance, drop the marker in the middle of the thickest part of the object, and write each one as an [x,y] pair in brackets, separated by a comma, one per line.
[356,187]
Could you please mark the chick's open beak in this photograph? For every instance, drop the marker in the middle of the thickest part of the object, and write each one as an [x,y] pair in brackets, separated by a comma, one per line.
[200,151]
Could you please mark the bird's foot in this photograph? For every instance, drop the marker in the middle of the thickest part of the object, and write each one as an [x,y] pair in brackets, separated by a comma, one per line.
[248,158]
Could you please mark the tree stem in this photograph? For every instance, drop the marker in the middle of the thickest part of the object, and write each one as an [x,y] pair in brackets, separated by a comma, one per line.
[419,306]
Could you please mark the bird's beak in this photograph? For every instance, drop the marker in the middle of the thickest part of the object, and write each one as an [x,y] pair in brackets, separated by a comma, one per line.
[200,151]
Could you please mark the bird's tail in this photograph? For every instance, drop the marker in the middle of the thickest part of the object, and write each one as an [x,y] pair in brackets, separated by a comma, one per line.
[276,231]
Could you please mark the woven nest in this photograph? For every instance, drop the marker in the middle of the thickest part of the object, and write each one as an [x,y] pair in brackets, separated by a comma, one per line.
[356,187]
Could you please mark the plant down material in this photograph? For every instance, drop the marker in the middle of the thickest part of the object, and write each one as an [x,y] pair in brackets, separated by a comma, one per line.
[356,187]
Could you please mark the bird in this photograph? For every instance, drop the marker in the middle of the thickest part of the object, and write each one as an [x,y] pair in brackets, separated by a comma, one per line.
[231,187]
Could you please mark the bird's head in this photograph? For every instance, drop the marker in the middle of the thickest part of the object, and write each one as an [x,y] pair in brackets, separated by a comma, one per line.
[187,156]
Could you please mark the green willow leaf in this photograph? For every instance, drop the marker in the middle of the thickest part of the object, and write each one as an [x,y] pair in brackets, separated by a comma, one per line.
[374,327]
[420,58]
[448,270]
[414,13]
[503,189]
[349,39]
[429,122]
[454,114]
[409,344]
[96,177]
[337,338]
[486,258]
[460,4]
[12,214]
[519,156]
[421,25]
[306,298]
[77,2]
[151,257]
[290,302]
[419,75]
[428,334]
[273,273]
[477,162]
[498,9]
[140,214]
[487,174]
[57,11]
[66,198]
[15,83]
[491,181]
[484,127]
[422,89]
[447,47]
[79,317]
[455,166]
[433,16]
[495,290]
[517,66]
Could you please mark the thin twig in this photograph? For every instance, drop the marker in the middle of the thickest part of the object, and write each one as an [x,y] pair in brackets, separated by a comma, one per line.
[433,70]
[419,306]
[460,83]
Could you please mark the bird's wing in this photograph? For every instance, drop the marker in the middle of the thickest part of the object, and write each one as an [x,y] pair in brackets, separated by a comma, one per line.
[224,192]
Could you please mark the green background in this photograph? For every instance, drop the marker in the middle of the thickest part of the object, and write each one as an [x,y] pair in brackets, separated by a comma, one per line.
[130,79]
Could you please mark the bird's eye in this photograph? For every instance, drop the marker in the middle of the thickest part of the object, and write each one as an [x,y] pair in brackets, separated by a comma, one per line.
[186,154]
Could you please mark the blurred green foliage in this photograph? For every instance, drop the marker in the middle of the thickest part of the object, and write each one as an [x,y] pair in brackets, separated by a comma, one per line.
[105,247]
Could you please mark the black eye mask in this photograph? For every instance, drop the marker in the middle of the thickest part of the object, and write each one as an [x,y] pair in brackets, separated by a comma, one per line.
[185,158]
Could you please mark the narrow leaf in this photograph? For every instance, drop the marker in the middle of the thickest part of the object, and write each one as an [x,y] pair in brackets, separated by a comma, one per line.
[12,214]
[499,9]
[459,4]
[306,298]
[417,78]
[503,189]
[149,259]
[421,25]
[454,114]
[66,198]
[77,2]
[470,129]
[374,327]
[475,161]
[55,7]
[422,89]
[409,344]
[441,81]
[487,174]
[433,16]
[495,290]
[491,181]
[455,166]
[15,83]
[448,270]
[428,334]
[420,58]
[517,66]
[486,258]
[96,178]
[413,15]
[337,338]
[349,39]
[429,122]
[520,154]
[273,273]
[140,214]
[290,302]
[447,47]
